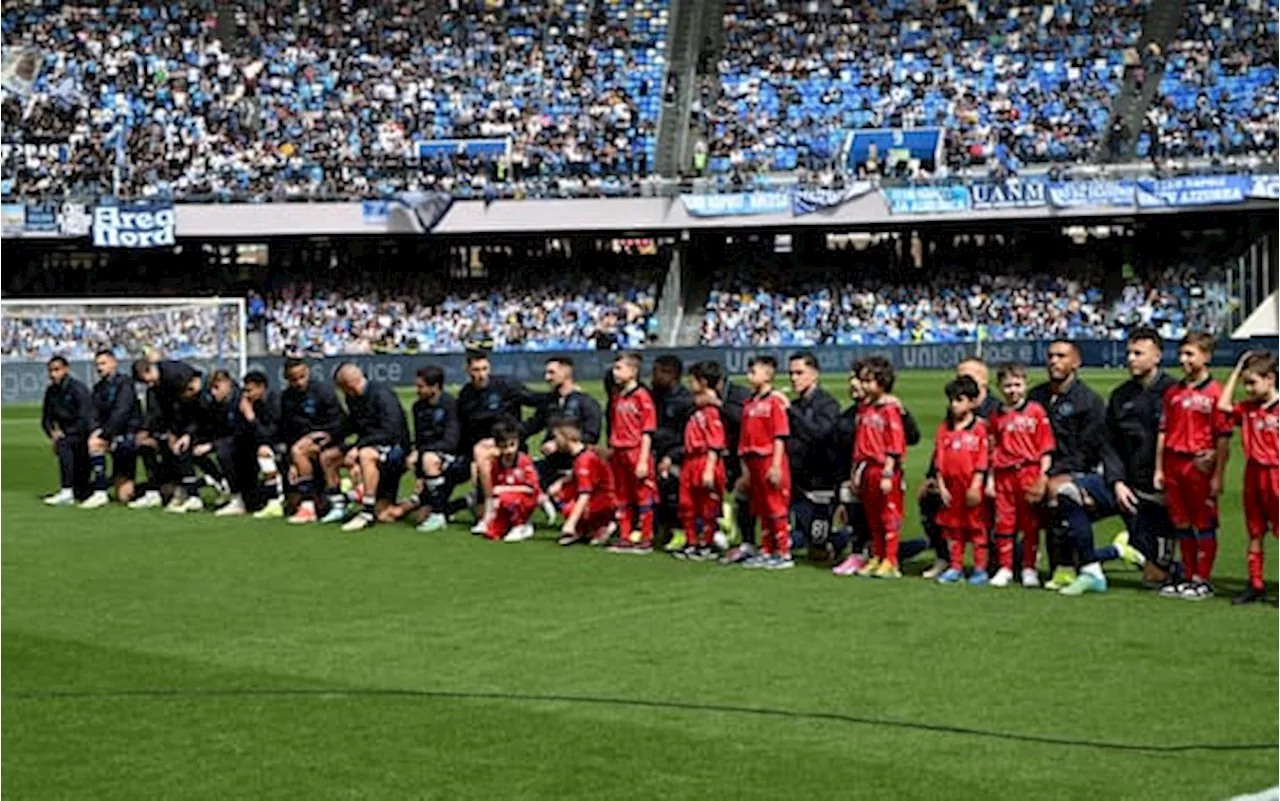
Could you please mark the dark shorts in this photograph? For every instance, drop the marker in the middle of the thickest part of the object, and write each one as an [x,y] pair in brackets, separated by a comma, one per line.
[1147,526]
[1095,486]
[124,457]
[392,468]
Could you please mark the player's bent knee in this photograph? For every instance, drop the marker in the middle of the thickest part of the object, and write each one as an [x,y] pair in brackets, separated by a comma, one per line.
[432,464]
[1070,491]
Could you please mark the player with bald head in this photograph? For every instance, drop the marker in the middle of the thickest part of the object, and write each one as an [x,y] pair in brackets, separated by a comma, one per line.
[377,420]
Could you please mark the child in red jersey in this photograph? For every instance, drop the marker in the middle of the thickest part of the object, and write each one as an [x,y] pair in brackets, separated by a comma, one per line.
[702,472]
[1021,447]
[515,488]
[960,462]
[632,421]
[587,499]
[1191,451]
[1259,419]
[763,449]
[879,446]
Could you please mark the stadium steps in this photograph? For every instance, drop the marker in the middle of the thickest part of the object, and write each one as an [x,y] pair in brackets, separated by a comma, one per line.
[673,120]
[1161,24]
[697,288]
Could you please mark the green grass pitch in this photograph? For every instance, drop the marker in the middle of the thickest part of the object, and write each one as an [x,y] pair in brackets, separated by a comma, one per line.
[147,655]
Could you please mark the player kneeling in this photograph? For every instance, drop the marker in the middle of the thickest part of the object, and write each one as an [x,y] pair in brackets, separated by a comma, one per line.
[252,458]
[515,488]
[702,476]
[588,501]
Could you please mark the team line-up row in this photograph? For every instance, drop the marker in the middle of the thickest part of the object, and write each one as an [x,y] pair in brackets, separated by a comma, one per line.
[711,457]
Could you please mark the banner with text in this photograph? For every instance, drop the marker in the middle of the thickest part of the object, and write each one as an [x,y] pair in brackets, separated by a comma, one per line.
[135,225]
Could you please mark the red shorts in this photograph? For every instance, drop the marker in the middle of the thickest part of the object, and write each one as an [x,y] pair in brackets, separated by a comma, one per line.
[696,499]
[766,501]
[510,509]
[630,490]
[1186,491]
[884,512]
[960,515]
[1262,499]
[1014,513]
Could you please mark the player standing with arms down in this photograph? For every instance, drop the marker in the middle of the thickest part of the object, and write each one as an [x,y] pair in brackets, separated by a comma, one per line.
[118,415]
[632,422]
[376,418]
[812,416]
[960,463]
[1258,417]
[702,471]
[1191,453]
[1022,453]
[762,448]
[878,451]
[67,418]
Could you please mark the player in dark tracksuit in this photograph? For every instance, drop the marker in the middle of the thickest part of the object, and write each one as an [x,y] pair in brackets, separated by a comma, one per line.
[118,416]
[252,449]
[485,401]
[168,384]
[377,421]
[675,406]
[813,415]
[67,418]
[309,437]
[565,400]
[207,425]
[437,465]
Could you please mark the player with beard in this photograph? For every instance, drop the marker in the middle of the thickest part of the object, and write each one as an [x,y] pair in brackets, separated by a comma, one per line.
[67,418]
[118,417]
[169,385]
[485,401]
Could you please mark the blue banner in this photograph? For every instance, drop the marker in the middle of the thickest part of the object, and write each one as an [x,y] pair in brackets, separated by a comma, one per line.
[807,201]
[447,148]
[1201,190]
[1265,186]
[1008,195]
[893,145]
[42,218]
[13,218]
[135,225]
[375,211]
[1078,194]
[6,186]
[738,204]
[926,199]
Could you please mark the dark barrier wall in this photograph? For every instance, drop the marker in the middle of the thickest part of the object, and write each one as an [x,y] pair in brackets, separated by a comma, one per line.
[24,382]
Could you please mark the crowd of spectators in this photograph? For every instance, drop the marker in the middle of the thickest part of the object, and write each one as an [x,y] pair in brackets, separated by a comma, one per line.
[1010,82]
[960,308]
[78,332]
[583,316]
[321,97]
[1220,92]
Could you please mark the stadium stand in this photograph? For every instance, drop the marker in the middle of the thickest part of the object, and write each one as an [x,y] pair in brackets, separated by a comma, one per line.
[326,98]
[1219,94]
[1011,82]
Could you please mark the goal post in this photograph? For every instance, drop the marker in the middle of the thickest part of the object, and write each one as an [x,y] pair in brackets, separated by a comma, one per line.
[209,332]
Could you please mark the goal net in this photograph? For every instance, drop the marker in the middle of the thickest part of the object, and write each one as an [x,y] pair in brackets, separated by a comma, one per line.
[208,332]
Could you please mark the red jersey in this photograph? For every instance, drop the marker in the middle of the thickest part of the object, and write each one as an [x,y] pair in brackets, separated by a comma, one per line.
[1191,421]
[879,434]
[960,453]
[520,474]
[1020,435]
[1260,430]
[703,433]
[631,416]
[591,476]
[764,420]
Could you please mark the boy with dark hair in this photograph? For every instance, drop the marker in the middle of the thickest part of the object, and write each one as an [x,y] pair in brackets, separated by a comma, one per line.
[878,451]
[960,462]
[1191,453]
[566,399]
[1022,448]
[674,404]
[515,488]
[589,504]
[763,449]
[1258,417]
[485,400]
[633,418]
[702,473]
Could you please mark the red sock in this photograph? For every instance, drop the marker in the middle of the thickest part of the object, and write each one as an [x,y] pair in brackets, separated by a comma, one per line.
[891,546]
[877,544]
[979,540]
[781,537]
[646,526]
[1208,548]
[625,522]
[1004,551]
[692,535]
[1255,567]
[955,545]
[1190,556]
[1030,545]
